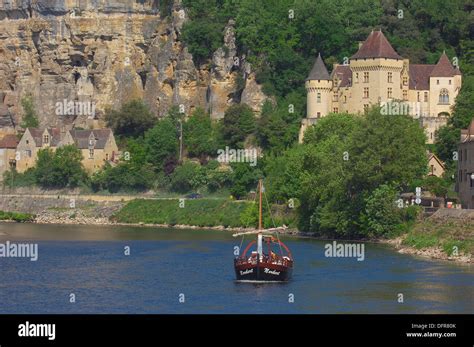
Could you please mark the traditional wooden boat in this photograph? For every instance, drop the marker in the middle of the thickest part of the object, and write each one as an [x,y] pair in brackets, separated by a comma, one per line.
[263,264]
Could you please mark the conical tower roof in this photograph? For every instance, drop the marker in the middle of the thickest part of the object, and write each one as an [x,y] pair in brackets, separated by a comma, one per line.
[443,68]
[376,46]
[319,71]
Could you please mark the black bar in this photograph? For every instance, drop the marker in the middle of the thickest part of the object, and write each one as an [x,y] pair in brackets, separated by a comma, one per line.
[157,329]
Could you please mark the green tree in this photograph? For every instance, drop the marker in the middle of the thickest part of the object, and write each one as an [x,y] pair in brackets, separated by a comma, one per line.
[381,215]
[238,123]
[30,119]
[187,177]
[132,120]
[244,178]
[161,143]
[199,135]
[60,169]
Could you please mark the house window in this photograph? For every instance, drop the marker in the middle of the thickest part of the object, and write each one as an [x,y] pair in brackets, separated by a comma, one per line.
[91,153]
[418,97]
[426,96]
[366,92]
[449,82]
[45,139]
[432,169]
[405,95]
[366,107]
[444,96]
[318,114]
[431,135]
[366,77]
[437,81]
[318,98]
[389,77]
[389,93]
[27,142]
[335,110]
[28,153]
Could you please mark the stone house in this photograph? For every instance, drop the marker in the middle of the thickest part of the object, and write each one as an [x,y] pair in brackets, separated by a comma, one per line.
[8,146]
[97,146]
[435,166]
[465,167]
[31,142]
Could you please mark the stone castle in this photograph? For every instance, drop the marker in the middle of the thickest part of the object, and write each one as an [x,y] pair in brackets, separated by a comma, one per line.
[377,75]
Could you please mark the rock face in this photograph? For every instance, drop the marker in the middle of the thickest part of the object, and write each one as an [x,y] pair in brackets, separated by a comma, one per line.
[107,52]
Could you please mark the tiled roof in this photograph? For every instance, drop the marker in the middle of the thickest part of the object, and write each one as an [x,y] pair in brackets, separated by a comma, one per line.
[344,74]
[319,71]
[81,137]
[376,46]
[443,68]
[9,141]
[54,133]
[420,76]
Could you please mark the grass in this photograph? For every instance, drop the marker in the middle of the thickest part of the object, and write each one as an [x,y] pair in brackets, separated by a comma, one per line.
[451,236]
[16,216]
[198,212]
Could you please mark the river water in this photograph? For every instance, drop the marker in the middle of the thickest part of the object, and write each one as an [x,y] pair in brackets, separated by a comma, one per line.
[84,269]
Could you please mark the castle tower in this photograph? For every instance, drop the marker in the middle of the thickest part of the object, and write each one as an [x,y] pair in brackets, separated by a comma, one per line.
[376,73]
[318,91]
[318,87]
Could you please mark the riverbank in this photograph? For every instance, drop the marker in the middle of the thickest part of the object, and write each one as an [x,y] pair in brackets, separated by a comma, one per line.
[447,235]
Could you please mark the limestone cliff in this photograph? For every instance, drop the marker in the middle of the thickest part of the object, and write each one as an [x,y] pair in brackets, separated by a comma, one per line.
[108,52]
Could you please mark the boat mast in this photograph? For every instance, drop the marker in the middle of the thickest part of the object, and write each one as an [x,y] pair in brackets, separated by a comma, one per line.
[260,186]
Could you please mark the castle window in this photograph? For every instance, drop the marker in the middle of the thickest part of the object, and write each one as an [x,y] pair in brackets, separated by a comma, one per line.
[366,77]
[91,153]
[345,99]
[389,77]
[366,107]
[335,110]
[27,142]
[335,97]
[449,82]
[443,96]
[405,95]
[426,96]
[318,98]
[318,114]
[366,92]
[107,156]
[418,96]
[357,78]
[437,81]
[389,93]
[405,80]
[45,139]
[28,153]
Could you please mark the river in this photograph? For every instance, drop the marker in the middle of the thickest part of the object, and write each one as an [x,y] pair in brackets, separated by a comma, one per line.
[191,271]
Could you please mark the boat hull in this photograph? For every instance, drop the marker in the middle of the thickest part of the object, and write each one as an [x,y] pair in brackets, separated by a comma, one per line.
[263,272]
